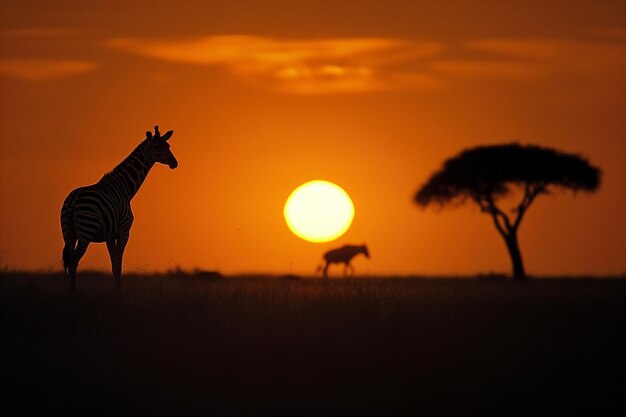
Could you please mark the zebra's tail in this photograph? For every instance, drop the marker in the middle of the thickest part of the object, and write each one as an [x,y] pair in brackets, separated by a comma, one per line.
[67,227]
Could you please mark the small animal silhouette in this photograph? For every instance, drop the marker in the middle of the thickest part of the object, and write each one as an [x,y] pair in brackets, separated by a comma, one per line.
[101,212]
[343,255]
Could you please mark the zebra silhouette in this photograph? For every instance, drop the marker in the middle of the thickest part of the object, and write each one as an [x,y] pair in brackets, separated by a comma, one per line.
[343,255]
[101,212]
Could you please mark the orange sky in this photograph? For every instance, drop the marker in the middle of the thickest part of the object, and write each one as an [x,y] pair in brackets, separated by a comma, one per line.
[264,96]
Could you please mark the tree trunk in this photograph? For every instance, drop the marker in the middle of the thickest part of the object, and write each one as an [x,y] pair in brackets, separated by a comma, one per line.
[516,256]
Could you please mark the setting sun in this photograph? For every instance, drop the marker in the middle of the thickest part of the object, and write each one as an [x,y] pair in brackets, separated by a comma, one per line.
[319,211]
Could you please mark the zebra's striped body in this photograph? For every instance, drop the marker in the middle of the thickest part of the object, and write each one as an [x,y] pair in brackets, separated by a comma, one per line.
[343,255]
[102,213]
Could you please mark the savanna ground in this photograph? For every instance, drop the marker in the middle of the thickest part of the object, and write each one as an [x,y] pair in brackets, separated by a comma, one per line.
[194,345]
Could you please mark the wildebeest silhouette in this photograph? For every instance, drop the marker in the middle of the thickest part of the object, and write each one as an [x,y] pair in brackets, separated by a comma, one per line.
[101,212]
[343,255]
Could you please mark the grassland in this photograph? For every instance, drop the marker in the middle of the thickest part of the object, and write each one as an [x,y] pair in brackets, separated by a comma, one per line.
[194,345]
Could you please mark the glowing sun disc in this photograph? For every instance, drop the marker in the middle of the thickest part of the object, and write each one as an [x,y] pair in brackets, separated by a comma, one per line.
[319,211]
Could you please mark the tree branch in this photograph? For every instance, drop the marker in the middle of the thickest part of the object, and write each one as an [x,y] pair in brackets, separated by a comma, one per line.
[500,228]
[484,207]
[530,193]
[497,212]
[500,219]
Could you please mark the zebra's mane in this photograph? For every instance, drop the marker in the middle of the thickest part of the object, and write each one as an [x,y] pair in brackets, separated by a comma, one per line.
[110,173]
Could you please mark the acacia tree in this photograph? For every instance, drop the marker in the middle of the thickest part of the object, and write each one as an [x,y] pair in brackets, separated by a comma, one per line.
[486,174]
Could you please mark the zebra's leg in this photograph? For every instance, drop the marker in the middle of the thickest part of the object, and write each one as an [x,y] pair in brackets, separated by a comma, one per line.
[68,252]
[112,255]
[326,270]
[75,258]
[345,269]
[116,253]
[352,270]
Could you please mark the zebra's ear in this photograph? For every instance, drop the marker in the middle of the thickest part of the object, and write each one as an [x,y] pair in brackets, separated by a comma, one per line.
[148,135]
[167,135]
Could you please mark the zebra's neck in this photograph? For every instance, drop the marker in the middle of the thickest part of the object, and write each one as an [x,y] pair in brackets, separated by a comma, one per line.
[132,171]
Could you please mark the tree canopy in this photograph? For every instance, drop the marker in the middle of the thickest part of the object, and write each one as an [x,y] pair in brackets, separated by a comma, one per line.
[491,170]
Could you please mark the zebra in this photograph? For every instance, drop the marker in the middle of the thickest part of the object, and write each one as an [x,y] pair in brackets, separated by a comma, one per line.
[101,212]
[343,255]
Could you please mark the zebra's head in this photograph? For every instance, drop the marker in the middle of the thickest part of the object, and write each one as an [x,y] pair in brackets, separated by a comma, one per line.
[160,149]
[365,251]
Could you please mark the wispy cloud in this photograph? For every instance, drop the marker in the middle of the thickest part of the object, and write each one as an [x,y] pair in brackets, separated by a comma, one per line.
[300,66]
[559,56]
[27,42]
[611,31]
[521,48]
[527,60]
[349,65]
[44,69]
[510,70]
[38,32]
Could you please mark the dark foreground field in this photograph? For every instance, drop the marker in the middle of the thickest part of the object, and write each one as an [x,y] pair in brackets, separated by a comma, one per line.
[185,345]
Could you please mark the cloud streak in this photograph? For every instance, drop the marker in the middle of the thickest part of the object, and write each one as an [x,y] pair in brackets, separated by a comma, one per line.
[44,69]
[558,56]
[498,69]
[353,65]
[38,32]
[326,66]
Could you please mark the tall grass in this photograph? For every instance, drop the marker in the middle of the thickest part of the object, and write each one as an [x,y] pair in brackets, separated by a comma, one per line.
[184,344]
